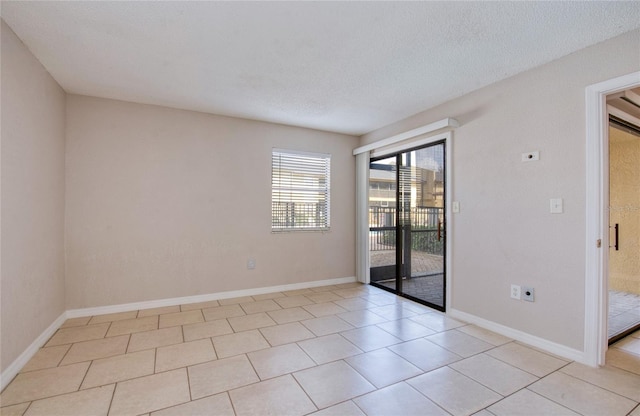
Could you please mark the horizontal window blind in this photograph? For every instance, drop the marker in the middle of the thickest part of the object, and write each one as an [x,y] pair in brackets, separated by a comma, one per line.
[300,190]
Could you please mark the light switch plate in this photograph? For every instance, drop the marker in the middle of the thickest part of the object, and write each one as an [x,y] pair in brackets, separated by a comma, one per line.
[556,206]
[455,206]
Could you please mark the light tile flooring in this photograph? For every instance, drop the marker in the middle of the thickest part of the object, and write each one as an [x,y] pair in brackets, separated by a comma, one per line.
[624,312]
[335,350]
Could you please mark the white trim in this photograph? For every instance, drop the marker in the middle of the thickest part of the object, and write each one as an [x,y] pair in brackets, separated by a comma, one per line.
[362,221]
[429,128]
[14,368]
[300,152]
[537,342]
[448,199]
[597,222]
[125,307]
[409,144]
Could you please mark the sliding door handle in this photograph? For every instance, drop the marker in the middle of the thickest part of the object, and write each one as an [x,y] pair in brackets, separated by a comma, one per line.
[615,238]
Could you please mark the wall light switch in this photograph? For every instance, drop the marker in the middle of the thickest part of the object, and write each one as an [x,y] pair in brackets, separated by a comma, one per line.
[556,205]
[455,206]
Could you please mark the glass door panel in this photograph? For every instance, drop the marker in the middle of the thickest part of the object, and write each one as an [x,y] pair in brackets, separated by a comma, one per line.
[382,221]
[422,215]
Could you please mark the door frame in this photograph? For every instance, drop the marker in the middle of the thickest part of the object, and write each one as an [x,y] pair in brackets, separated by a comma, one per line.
[597,214]
[401,236]
[382,149]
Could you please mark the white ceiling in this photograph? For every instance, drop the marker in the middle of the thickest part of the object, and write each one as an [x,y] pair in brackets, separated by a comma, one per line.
[347,67]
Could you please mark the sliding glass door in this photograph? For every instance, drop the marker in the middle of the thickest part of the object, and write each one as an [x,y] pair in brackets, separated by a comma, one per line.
[407,223]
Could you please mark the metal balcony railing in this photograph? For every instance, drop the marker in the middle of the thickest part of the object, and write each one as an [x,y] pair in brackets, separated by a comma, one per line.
[423,228]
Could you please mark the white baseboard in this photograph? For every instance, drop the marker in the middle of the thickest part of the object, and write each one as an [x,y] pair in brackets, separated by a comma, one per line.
[543,344]
[125,307]
[14,368]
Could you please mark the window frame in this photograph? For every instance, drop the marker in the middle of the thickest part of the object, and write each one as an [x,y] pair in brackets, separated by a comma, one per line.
[318,170]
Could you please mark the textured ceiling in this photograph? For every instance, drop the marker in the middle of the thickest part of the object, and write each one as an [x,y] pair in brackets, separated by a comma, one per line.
[348,67]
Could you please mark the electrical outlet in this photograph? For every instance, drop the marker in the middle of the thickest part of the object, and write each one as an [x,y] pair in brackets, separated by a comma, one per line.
[515,292]
[251,264]
[528,293]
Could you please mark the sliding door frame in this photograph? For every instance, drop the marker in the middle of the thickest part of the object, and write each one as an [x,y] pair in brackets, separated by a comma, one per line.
[401,229]
[362,199]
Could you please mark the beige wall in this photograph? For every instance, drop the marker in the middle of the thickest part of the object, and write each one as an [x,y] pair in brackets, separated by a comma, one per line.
[163,203]
[32,271]
[504,232]
[624,182]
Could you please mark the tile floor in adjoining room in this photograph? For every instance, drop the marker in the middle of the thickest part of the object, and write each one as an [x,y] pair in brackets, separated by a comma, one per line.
[624,312]
[337,350]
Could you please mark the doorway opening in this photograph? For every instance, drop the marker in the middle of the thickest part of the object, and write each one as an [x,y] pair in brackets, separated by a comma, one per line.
[597,214]
[406,212]
[623,316]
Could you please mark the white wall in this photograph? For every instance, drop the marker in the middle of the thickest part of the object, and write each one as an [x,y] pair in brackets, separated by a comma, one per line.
[32,277]
[504,232]
[163,203]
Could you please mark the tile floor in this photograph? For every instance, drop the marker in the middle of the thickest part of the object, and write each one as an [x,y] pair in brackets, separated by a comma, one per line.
[624,312]
[336,350]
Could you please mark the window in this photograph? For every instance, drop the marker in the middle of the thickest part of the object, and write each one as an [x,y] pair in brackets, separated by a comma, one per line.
[299,190]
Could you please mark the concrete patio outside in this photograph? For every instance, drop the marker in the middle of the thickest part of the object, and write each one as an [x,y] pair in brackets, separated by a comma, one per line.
[427,274]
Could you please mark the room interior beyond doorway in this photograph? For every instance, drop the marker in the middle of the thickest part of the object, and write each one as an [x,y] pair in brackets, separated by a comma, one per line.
[624,214]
